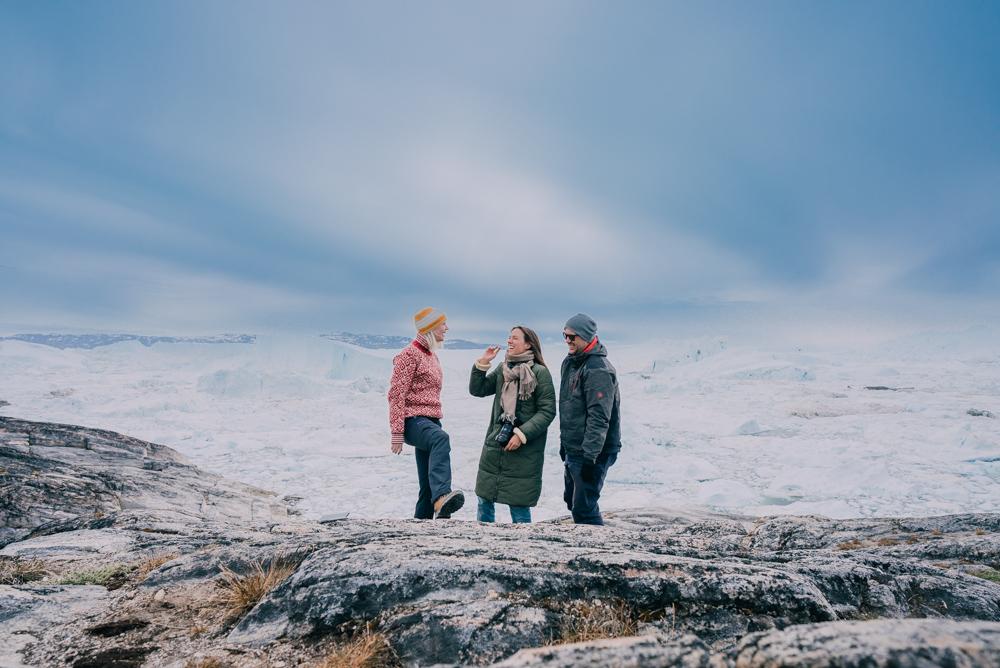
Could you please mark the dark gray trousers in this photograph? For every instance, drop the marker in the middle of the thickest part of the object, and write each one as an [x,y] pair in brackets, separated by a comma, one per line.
[583,482]
[432,450]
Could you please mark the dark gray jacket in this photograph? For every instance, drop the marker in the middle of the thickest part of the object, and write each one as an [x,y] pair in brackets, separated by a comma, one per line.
[589,405]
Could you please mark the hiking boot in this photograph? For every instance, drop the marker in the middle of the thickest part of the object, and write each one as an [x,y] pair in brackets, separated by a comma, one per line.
[448,504]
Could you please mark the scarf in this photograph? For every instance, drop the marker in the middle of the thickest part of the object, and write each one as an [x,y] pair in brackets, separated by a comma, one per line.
[518,382]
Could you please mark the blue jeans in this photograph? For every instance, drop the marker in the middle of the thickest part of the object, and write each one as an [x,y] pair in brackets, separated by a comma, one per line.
[432,450]
[487,512]
[583,483]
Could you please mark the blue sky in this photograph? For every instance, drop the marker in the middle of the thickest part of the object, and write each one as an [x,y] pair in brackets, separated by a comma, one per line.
[200,167]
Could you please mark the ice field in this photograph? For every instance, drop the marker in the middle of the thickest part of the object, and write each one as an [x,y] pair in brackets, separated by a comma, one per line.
[709,422]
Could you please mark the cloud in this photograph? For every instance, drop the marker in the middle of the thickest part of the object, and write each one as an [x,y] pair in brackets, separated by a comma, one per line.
[499,162]
[124,291]
[87,212]
[427,204]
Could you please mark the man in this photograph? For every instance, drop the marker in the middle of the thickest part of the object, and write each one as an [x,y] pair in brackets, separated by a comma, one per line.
[415,416]
[589,418]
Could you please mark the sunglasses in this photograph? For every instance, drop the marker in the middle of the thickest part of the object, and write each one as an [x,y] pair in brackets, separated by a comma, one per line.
[570,337]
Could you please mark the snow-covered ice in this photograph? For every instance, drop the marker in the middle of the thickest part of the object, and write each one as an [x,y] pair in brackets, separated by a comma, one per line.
[705,423]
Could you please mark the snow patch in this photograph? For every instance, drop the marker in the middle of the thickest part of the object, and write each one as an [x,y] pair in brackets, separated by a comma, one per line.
[775,373]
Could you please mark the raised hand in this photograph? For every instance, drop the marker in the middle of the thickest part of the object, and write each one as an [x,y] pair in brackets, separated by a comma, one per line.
[489,355]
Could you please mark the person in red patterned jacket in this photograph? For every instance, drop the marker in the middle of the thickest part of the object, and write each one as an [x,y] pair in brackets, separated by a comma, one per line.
[415,416]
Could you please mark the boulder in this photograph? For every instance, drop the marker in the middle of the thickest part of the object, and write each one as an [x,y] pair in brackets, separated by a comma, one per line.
[53,472]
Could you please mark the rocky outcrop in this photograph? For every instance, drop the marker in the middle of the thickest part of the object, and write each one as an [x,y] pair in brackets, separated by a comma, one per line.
[23,610]
[632,652]
[903,643]
[679,588]
[51,472]
[906,643]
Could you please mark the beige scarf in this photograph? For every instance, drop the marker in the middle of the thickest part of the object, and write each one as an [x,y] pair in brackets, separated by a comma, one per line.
[518,382]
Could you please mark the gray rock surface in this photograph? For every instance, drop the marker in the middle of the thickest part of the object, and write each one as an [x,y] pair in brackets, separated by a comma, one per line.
[455,586]
[902,643]
[52,472]
[905,643]
[633,652]
[687,588]
[25,611]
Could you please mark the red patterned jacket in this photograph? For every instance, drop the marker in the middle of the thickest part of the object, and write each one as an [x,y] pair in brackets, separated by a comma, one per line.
[415,387]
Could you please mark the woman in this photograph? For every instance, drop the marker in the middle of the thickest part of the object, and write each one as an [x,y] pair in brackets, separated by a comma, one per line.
[415,416]
[510,466]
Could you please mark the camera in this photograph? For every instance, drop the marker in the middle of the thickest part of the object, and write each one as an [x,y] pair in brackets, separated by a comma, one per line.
[506,430]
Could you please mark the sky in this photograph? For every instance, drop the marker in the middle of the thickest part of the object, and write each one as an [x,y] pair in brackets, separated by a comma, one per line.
[190,167]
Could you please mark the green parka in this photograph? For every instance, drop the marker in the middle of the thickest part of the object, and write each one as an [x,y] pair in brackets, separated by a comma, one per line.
[514,478]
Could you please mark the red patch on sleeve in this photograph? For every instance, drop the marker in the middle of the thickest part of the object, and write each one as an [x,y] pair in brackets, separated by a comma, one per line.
[600,395]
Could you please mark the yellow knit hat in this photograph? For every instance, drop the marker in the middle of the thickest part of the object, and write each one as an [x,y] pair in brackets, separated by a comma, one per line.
[427,319]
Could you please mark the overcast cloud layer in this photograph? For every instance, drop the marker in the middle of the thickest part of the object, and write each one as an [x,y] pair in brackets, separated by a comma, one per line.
[192,167]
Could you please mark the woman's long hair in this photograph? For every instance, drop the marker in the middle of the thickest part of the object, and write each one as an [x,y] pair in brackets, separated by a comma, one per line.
[533,341]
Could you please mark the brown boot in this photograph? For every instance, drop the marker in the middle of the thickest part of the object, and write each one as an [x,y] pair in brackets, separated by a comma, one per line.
[448,504]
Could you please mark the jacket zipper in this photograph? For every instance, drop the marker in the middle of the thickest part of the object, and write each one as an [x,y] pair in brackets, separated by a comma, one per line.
[496,490]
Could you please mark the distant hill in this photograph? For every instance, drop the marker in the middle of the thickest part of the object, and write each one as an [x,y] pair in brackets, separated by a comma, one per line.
[91,341]
[385,342]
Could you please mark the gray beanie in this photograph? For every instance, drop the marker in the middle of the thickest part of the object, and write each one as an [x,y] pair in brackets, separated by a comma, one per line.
[583,325]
